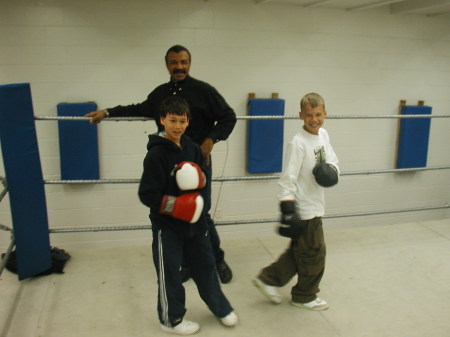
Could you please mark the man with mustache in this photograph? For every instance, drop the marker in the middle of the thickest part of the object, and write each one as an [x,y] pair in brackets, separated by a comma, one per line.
[212,120]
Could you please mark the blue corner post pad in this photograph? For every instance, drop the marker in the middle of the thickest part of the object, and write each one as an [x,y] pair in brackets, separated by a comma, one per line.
[414,134]
[25,180]
[78,143]
[265,136]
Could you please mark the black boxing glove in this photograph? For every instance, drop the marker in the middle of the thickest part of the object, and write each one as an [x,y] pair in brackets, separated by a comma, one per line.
[326,175]
[291,225]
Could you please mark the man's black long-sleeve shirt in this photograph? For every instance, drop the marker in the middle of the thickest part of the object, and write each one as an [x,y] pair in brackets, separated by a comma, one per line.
[211,116]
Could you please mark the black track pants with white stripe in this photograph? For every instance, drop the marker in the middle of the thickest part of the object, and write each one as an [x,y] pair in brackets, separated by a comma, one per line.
[167,255]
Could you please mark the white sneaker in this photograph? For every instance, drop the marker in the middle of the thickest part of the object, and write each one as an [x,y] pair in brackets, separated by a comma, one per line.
[270,292]
[230,319]
[317,305]
[184,328]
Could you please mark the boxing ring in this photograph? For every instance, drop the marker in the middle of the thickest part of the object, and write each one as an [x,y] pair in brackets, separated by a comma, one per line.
[45,231]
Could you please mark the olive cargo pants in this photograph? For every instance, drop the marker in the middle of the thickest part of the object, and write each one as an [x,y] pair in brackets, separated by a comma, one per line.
[305,257]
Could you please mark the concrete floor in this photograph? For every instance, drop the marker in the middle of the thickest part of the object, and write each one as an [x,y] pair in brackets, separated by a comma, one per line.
[379,281]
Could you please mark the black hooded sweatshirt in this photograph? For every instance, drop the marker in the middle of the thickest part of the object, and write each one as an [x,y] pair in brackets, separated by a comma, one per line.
[211,118]
[158,179]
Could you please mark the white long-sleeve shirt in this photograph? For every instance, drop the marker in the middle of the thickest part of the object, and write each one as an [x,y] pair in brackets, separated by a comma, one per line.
[297,180]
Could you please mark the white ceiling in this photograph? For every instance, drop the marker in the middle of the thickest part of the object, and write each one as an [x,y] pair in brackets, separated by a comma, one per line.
[419,7]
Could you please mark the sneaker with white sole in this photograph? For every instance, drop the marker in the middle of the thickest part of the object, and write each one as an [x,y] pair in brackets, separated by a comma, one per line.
[230,319]
[317,305]
[184,328]
[270,292]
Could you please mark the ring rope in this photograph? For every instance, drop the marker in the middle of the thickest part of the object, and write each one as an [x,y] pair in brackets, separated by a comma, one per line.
[222,179]
[266,177]
[242,222]
[4,261]
[117,119]
[5,228]
[3,193]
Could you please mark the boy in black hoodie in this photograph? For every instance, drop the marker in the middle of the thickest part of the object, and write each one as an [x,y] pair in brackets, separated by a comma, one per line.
[172,185]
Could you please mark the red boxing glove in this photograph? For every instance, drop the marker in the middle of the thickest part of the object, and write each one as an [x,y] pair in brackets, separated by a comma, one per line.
[189,176]
[187,207]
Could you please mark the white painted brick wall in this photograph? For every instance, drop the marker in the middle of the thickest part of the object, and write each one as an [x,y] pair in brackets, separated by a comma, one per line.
[111,52]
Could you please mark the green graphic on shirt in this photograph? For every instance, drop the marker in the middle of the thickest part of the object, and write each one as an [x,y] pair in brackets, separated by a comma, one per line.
[320,155]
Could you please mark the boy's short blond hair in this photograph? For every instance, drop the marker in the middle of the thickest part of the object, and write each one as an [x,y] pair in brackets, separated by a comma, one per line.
[312,99]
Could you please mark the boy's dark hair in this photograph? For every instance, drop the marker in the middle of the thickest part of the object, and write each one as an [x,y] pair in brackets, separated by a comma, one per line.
[174,105]
[176,49]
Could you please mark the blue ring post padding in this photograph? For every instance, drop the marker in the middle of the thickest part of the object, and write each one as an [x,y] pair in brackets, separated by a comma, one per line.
[25,181]
[265,137]
[413,137]
[78,143]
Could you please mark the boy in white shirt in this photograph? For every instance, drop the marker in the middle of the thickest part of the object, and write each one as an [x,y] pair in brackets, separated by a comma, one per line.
[310,165]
